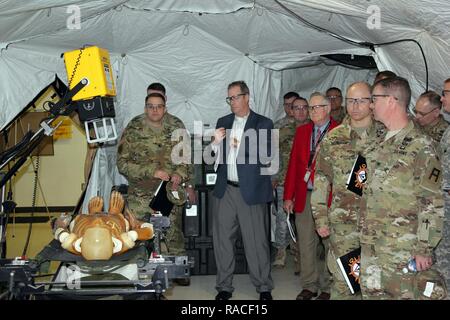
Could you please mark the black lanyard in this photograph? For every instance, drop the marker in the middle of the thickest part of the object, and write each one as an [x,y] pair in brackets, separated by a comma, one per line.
[321,136]
[314,145]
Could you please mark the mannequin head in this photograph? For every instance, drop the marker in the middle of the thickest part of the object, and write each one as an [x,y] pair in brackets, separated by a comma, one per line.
[97,244]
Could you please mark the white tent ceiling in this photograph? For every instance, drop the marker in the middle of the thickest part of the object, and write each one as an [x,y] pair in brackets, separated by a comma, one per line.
[172,41]
[195,48]
[427,22]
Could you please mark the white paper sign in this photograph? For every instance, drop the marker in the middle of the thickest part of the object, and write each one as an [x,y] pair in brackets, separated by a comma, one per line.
[192,211]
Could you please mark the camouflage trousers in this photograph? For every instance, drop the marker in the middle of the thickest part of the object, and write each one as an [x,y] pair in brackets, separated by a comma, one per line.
[339,289]
[382,277]
[442,251]
[282,236]
[173,242]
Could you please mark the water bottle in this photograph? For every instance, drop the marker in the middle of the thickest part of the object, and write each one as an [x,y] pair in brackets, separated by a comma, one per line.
[411,266]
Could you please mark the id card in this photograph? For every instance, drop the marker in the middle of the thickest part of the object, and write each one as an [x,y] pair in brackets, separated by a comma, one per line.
[307,175]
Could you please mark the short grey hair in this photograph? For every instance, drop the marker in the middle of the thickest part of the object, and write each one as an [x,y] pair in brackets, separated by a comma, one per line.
[319,94]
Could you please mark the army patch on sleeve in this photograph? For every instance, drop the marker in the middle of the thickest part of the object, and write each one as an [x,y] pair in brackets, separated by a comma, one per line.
[432,177]
[358,176]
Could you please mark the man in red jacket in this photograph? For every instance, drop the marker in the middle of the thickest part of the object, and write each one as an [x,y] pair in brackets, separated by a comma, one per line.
[297,195]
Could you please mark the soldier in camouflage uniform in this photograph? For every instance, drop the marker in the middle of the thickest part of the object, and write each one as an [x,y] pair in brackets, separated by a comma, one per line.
[429,118]
[288,98]
[404,211]
[278,226]
[335,160]
[173,234]
[144,158]
[286,136]
[337,110]
[190,184]
[442,252]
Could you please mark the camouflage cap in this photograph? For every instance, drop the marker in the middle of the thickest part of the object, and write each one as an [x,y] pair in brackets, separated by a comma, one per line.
[177,197]
[429,285]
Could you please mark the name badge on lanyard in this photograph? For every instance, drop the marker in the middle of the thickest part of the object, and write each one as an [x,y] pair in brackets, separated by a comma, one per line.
[314,152]
[307,175]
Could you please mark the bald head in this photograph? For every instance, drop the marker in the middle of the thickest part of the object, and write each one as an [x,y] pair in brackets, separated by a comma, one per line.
[358,100]
[360,86]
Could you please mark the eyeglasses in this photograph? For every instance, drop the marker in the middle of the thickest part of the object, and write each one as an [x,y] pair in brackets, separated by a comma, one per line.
[303,107]
[316,107]
[334,97]
[375,96]
[423,114]
[359,101]
[155,106]
[234,98]
[444,92]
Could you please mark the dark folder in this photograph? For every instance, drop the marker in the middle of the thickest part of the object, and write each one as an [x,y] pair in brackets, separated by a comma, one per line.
[349,265]
[358,175]
[160,202]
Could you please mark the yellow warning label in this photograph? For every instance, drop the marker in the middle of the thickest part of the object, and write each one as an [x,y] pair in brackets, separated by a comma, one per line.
[64,131]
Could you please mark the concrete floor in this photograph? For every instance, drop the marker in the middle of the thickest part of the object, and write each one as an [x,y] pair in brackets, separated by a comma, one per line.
[286,284]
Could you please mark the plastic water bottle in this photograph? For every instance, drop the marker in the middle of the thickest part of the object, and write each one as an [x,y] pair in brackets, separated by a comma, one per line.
[411,266]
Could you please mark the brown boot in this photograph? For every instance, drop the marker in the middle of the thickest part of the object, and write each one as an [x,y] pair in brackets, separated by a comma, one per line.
[280,258]
[306,295]
[323,296]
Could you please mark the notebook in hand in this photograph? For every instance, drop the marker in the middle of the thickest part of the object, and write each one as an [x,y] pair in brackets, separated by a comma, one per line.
[349,265]
[160,202]
[358,175]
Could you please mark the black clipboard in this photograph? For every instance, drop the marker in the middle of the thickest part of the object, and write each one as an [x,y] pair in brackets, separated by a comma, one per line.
[160,202]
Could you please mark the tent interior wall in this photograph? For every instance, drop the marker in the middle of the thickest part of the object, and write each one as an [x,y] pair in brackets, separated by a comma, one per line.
[195,48]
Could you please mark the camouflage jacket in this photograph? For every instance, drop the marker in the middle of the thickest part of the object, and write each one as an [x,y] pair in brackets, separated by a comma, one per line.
[445,158]
[283,122]
[340,116]
[176,122]
[286,137]
[143,150]
[437,131]
[404,211]
[338,152]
